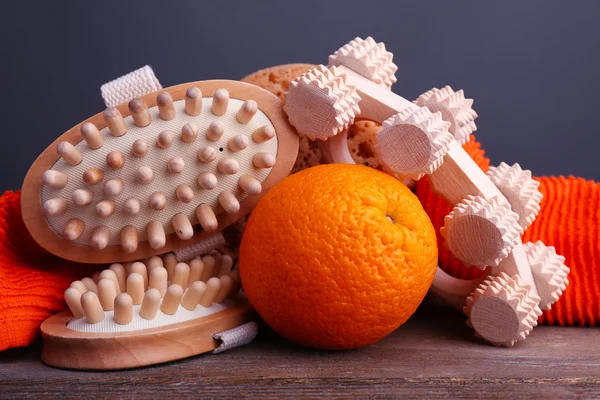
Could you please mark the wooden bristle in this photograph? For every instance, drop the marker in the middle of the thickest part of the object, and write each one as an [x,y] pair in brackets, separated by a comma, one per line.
[263,134]
[131,207]
[90,303]
[139,268]
[144,175]
[225,267]
[158,201]
[250,185]
[184,193]
[153,262]
[156,235]
[247,111]
[193,101]
[209,266]
[115,160]
[207,180]
[263,160]
[215,131]
[182,226]
[164,139]
[89,284]
[196,268]
[73,229]
[220,102]
[207,154]
[113,187]
[82,197]
[150,304]
[170,303]
[237,281]
[206,217]
[139,148]
[92,136]
[158,279]
[228,166]
[93,176]
[224,291]
[139,112]
[105,208]
[110,274]
[175,165]
[123,309]
[107,293]
[73,300]
[69,153]
[121,275]
[100,237]
[238,143]
[57,206]
[181,274]
[193,295]
[96,276]
[213,286]
[166,108]
[189,133]
[55,179]
[135,287]
[229,202]
[129,239]
[79,286]
[170,262]
[114,120]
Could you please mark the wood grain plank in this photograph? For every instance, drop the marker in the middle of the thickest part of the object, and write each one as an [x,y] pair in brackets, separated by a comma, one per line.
[434,355]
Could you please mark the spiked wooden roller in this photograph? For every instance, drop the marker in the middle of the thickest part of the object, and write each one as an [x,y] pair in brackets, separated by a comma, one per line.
[424,137]
[140,314]
[158,173]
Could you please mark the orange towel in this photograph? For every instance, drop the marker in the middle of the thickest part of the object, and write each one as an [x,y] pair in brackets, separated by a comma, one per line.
[32,281]
[569,220]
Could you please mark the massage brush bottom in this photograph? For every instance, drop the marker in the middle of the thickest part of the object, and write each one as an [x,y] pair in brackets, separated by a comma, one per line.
[143,314]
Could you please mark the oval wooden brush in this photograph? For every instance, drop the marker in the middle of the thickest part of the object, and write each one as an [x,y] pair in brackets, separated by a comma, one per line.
[144,313]
[158,173]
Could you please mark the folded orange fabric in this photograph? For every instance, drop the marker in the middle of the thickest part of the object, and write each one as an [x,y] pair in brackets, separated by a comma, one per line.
[569,220]
[32,281]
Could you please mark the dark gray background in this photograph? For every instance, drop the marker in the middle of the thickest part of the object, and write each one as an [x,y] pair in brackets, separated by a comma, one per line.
[531,66]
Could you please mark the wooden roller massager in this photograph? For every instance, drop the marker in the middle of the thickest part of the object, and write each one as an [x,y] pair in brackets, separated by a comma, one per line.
[424,137]
[164,172]
[158,173]
[140,314]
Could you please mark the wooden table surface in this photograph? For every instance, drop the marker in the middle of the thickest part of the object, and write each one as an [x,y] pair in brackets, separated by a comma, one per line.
[434,355]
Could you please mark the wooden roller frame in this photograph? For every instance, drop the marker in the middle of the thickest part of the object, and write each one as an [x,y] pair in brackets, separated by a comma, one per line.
[489,214]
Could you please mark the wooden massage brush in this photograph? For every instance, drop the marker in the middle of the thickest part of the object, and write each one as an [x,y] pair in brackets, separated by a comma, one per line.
[158,173]
[424,138]
[163,172]
[140,314]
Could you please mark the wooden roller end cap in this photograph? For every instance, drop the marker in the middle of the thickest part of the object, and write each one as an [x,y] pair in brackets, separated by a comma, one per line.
[413,142]
[320,105]
[502,311]
[549,272]
[481,232]
[520,189]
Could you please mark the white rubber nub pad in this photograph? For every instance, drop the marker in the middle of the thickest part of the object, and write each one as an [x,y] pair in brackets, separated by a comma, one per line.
[163,180]
[138,323]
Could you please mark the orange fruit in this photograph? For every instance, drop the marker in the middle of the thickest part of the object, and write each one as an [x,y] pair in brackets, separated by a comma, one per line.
[337,256]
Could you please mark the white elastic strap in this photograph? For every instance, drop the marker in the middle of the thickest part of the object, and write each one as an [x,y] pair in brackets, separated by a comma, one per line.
[235,337]
[200,248]
[135,84]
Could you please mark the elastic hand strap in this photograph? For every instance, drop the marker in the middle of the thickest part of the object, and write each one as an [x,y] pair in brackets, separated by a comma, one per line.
[135,84]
